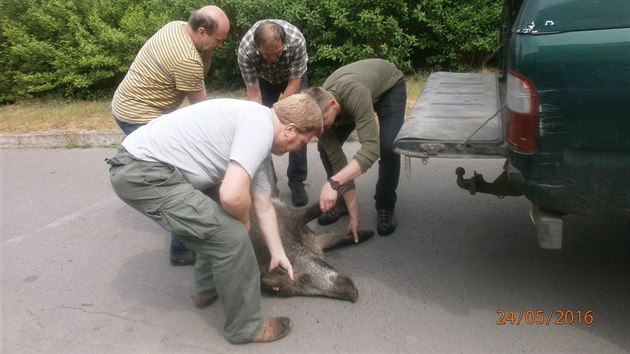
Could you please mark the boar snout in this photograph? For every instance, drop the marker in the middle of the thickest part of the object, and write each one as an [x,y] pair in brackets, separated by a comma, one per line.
[328,283]
[344,289]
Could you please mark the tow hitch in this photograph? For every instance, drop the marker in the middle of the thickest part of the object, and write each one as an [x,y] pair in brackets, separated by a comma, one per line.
[501,186]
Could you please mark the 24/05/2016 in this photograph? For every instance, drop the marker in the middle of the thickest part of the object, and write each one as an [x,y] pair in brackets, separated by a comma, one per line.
[543,317]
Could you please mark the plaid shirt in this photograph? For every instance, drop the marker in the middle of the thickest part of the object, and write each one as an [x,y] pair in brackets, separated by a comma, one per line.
[290,65]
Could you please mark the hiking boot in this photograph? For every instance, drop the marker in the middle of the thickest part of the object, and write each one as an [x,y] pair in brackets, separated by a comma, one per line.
[183,258]
[274,328]
[205,300]
[385,222]
[298,194]
[333,214]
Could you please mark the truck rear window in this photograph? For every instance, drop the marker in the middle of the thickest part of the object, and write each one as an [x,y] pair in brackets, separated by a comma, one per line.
[549,16]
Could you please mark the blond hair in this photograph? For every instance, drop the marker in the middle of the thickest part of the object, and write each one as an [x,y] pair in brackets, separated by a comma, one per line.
[301,110]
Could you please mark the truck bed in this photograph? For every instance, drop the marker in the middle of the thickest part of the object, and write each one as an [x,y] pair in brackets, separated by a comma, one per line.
[455,115]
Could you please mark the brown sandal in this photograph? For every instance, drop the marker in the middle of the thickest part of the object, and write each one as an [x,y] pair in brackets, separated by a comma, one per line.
[274,328]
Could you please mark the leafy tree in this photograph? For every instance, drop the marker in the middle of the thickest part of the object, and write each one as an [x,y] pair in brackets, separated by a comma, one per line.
[460,34]
[83,48]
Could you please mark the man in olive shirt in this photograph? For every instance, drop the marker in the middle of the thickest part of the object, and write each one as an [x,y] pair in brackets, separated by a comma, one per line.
[348,99]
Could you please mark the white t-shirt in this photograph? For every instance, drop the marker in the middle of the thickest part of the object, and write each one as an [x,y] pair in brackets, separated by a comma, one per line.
[200,140]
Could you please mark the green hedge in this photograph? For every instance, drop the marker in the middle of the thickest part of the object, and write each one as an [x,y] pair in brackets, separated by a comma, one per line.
[82,48]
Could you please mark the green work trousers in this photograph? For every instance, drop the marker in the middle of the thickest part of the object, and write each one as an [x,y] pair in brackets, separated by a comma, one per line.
[225,256]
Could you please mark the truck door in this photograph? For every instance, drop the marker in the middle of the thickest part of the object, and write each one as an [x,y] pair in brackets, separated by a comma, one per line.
[461,114]
[456,115]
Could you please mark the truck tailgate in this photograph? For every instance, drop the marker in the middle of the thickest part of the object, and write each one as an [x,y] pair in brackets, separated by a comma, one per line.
[455,115]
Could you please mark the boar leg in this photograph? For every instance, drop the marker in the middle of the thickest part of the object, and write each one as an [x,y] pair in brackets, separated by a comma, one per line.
[332,240]
[307,214]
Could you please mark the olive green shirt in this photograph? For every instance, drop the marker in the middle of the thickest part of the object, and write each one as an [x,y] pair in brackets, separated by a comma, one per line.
[357,87]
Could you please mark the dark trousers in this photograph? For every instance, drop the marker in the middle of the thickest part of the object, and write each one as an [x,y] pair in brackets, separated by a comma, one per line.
[390,109]
[177,245]
[298,165]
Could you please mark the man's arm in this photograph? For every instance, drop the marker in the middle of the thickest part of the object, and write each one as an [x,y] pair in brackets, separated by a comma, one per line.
[253,93]
[234,193]
[206,60]
[328,196]
[293,86]
[246,51]
[268,223]
[196,96]
[190,80]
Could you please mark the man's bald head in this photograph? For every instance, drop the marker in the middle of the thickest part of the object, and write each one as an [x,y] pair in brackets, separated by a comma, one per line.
[211,18]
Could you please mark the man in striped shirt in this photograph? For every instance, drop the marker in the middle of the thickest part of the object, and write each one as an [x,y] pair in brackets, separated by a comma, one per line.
[170,67]
[272,58]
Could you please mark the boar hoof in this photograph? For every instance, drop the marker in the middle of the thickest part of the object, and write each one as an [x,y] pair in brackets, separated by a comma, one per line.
[356,293]
[365,235]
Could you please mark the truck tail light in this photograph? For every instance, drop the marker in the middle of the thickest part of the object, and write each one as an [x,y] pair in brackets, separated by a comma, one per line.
[522,116]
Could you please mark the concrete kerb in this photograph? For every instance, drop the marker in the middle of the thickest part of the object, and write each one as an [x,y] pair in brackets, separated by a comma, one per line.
[49,140]
[84,139]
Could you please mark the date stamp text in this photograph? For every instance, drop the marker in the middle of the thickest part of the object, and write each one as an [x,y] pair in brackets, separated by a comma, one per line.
[557,317]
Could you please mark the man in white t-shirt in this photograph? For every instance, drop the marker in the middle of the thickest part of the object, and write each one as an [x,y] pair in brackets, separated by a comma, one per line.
[163,167]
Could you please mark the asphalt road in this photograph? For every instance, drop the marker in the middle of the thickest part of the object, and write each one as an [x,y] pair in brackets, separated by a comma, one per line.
[84,273]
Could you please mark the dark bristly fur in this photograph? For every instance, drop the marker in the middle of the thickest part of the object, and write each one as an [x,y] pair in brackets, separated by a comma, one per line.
[305,250]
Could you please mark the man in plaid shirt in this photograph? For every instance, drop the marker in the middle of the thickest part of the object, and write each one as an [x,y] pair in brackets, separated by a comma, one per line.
[272,58]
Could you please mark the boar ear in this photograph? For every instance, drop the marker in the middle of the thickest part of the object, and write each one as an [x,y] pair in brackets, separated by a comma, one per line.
[276,277]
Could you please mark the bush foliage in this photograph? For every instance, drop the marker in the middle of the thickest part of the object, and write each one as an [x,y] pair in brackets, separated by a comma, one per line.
[82,48]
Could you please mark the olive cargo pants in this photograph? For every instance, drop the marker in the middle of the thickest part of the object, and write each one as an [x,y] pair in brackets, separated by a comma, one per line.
[225,256]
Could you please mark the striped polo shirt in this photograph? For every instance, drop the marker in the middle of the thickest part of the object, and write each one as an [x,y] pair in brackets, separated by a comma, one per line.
[166,66]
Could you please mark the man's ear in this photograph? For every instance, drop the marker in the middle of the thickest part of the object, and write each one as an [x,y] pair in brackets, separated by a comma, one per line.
[290,130]
[331,105]
[334,105]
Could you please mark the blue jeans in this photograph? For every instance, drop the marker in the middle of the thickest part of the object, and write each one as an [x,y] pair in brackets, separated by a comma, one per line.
[298,165]
[177,246]
[390,109]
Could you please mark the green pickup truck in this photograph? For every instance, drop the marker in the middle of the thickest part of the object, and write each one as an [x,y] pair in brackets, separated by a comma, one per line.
[558,110]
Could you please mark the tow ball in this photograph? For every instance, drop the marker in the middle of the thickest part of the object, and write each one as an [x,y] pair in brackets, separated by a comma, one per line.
[501,187]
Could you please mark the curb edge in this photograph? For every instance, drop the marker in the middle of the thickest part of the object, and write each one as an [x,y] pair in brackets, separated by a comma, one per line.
[47,140]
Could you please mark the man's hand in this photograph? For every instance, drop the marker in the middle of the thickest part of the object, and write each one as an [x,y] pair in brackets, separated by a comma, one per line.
[353,228]
[327,197]
[283,262]
[293,86]
[350,198]
[268,222]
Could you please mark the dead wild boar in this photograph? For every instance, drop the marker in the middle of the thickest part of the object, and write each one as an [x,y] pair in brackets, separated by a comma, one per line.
[305,250]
